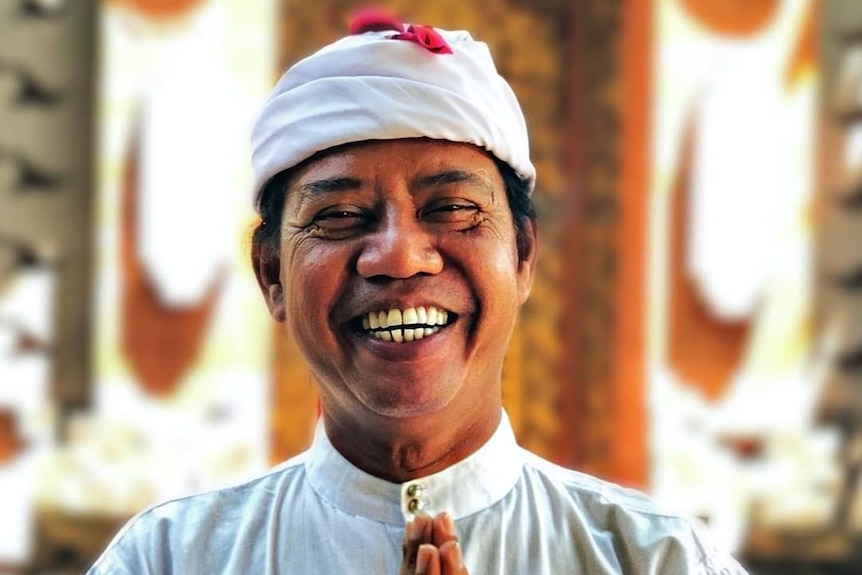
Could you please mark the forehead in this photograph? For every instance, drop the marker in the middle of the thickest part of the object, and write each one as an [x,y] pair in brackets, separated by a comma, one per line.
[413,156]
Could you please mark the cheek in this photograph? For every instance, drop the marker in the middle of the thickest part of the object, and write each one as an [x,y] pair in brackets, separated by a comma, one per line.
[495,261]
[493,275]
[311,276]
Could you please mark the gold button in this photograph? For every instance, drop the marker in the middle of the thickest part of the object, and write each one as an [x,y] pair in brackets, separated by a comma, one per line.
[415,505]
[414,490]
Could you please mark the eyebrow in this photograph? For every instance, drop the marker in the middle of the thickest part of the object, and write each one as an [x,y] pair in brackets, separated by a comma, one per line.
[310,190]
[318,188]
[454,177]
[329,185]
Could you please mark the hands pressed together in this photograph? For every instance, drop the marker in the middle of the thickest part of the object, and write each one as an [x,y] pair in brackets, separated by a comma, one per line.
[431,547]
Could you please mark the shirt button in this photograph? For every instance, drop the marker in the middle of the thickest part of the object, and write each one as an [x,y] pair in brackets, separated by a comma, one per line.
[415,505]
[414,490]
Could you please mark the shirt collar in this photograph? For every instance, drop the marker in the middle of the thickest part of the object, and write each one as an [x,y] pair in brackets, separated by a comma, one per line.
[472,484]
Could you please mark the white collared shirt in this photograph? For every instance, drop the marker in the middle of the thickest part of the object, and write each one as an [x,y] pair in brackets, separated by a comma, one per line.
[318,514]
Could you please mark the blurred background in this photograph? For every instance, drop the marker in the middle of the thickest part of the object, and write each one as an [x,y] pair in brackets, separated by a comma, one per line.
[696,326]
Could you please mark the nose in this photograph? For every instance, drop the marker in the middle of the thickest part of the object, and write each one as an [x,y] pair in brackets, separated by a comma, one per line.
[399,248]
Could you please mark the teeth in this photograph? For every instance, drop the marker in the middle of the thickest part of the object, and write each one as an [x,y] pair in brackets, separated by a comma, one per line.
[382,324]
[401,335]
[394,317]
[410,316]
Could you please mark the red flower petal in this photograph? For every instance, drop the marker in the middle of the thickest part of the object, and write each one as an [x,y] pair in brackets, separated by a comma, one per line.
[431,39]
[427,37]
[374,19]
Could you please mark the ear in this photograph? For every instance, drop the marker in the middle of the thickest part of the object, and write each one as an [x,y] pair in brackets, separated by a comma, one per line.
[527,257]
[267,268]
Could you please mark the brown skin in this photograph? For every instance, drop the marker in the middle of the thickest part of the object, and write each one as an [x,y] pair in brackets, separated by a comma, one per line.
[401,223]
[431,547]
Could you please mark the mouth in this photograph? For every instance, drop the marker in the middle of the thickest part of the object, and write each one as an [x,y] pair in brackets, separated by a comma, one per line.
[404,325]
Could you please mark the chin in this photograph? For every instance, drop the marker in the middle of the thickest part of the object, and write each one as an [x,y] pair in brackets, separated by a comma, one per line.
[405,405]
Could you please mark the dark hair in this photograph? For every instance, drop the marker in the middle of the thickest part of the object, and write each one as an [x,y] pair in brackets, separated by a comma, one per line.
[268,232]
[520,203]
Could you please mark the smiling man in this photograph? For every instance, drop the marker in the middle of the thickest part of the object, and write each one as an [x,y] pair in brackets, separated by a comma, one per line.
[398,272]
[397,243]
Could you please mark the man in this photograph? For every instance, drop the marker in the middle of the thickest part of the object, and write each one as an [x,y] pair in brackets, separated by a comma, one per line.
[397,244]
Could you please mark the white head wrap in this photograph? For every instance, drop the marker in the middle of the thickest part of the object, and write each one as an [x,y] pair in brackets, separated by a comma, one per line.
[370,86]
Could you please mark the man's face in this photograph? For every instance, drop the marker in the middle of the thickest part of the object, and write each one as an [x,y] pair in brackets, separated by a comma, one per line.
[400,275]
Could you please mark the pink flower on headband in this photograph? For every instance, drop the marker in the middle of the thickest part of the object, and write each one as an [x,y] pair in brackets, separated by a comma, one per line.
[427,37]
[374,20]
[377,20]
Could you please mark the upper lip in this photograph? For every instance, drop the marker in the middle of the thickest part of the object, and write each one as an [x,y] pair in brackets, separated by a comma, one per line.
[358,303]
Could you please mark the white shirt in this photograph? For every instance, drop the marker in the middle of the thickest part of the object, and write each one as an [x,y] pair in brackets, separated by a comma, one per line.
[514,512]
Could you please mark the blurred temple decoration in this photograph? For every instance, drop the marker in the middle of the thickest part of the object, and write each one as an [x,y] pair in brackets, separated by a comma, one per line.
[18,256]
[28,178]
[42,8]
[157,9]
[755,273]
[27,335]
[160,339]
[827,537]
[839,286]
[178,197]
[47,64]
[28,91]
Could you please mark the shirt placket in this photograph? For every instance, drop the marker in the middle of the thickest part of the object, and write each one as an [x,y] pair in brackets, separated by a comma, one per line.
[414,498]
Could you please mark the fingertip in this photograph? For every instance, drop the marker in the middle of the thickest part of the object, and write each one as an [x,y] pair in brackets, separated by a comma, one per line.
[427,526]
[422,518]
[451,554]
[414,530]
[444,529]
[423,558]
[446,522]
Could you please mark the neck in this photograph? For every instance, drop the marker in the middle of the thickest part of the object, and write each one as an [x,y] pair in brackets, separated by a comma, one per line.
[401,449]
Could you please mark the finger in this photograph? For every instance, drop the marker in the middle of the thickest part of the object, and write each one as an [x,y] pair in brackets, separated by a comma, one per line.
[428,560]
[416,532]
[443,529]
[451,561]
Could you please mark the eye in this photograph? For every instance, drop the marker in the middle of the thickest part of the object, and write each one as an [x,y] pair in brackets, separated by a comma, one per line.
[340,219]
[450,210]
